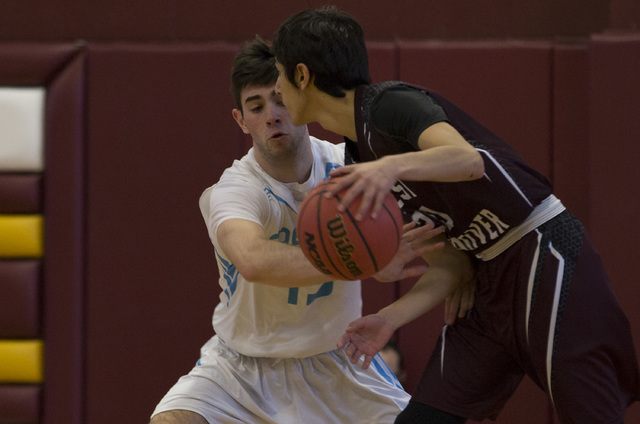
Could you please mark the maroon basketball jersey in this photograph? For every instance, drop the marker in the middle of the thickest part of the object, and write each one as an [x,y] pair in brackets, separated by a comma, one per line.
[476,213]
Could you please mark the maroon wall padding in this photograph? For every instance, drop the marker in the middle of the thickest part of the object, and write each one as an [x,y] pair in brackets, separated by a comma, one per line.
[20,403]
[20,300]
[383,61]
[570,173]
[432,19]
[20,193]
[51,65]
[614,150]
[377,295]
[64,213]
[417,339]
[129,277]
[160,132]
[28,64]
[165,20]
[624,15]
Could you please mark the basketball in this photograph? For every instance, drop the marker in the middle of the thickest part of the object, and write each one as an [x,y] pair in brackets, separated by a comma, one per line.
[338,245]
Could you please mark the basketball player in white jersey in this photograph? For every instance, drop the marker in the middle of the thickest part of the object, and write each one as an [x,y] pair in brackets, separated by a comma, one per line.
[274,357]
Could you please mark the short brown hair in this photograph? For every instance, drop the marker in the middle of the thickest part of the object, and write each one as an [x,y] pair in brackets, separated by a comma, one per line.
[254,65]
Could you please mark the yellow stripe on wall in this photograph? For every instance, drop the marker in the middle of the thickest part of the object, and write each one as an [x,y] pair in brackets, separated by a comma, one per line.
[21,236]
[21,361]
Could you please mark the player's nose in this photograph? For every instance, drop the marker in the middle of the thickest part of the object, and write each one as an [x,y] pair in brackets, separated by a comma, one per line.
[274,114]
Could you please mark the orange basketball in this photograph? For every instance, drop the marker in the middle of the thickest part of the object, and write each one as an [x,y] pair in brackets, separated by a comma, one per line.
[338,245]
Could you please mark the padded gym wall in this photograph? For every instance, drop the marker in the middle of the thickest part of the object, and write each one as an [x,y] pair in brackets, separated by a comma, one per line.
[42,289]
[134,275]
[139,124]
[569,158]
[176,21]
[614,150]
[160,131]
[21,251]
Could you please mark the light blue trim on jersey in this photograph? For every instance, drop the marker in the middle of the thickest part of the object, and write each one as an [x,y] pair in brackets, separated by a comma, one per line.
[270,194]
[230,275]
[384,370]
[330,166]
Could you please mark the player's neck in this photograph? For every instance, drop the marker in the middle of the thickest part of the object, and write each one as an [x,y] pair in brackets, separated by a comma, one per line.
[287,172]
[290,167]
[336,114]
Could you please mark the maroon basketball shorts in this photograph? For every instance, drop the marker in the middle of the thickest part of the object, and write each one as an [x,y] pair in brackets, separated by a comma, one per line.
[543,308]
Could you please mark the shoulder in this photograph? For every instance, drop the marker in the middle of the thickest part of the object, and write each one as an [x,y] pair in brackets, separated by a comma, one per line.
[240,180]
[389,96]
[329,151]
[243,172]
[402,112]
[401,96]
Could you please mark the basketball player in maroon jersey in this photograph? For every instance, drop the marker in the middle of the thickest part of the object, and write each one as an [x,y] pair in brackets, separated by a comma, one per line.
[543,306]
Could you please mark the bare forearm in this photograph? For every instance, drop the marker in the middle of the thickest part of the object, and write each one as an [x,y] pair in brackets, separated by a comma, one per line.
[448,269]
[261,260]
[444,156]
[442,164]
[283,265]
[428,292]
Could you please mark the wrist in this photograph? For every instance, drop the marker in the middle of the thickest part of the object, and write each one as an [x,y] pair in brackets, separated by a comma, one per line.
[397,164]
[391,317]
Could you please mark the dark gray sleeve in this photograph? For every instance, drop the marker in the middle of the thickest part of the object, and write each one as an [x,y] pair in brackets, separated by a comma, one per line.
[403,113]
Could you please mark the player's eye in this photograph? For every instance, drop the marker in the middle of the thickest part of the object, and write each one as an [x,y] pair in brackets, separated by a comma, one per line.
[278,100]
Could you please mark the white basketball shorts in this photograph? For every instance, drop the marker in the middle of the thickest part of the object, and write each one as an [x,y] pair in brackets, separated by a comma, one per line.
[227,387]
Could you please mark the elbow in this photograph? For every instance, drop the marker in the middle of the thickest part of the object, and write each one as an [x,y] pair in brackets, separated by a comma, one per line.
[476,167]
[249,271]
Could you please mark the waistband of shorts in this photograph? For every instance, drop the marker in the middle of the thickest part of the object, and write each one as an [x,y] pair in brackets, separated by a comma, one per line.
[548,209]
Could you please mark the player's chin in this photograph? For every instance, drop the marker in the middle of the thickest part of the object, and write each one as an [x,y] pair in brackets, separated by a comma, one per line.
[281,141]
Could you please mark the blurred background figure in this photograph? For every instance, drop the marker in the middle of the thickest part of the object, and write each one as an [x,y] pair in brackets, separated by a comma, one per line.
[393,357]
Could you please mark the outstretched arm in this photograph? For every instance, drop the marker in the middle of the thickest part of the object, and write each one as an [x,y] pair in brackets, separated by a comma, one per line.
[448,269]
[261,260]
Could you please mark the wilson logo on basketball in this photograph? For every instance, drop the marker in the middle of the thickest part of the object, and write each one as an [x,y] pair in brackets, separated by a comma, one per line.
[313,254]
[344,247]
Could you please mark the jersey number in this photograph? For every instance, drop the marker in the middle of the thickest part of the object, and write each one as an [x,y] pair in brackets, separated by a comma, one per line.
[324,290]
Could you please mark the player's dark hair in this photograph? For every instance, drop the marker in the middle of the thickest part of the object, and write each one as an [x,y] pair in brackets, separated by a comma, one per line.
[254,65]
[330,43]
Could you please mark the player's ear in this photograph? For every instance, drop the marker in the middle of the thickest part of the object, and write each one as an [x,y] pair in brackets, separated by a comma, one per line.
[237,115]
[303,75]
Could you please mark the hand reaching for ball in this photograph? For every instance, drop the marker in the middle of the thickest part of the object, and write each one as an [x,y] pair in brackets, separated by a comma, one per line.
[415,242]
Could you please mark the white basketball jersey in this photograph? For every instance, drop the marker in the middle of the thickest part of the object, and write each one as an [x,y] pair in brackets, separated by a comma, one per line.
[262,320]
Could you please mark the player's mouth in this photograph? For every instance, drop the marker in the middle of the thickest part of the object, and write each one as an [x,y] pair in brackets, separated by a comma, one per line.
[277,135]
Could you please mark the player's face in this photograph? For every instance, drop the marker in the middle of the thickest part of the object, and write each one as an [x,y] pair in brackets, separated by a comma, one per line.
[290,96]
[268,122]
